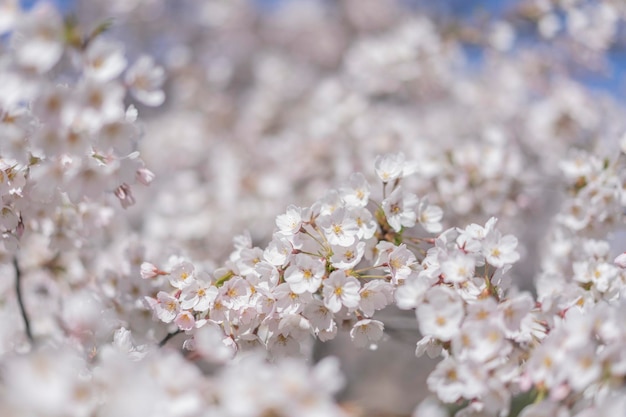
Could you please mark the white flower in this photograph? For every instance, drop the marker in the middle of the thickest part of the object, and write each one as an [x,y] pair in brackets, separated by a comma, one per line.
[104,60]
[52,103]
[451,381]
[121,136]
[288,301]
[365,222]
[185,320]
[249,258]
[320,317]
[212,344]
[366,332]
[479,342]
[469,238]
[327,205]
[267,273]
[100,104]
[400,261]
[198,295]
[284,345]
[458,268]
[278,250]
[123,341]
[235,293]
[38,38]
[389,167]
[294,325]
[546,361]
[412,292]
[485,309]
[145,80]
[375,295]
[181,275]
[341,290]
[167,307]
[290,222]
[429,216]
[441,315]
[400,209]
[84,313]
[305,274]
[347,257]
[357,192]
[90,178]
[428,345]
[500,250]
[583,367]
[339,227]
[514,310]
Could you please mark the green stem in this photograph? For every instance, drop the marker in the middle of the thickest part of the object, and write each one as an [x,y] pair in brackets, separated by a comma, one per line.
[371,276]
[221,280]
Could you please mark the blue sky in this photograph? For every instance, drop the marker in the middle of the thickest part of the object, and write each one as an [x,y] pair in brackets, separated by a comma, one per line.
[613,82]
[63,4]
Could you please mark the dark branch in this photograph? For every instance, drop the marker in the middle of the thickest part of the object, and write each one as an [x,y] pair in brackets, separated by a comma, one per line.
[168,337]
[20,299]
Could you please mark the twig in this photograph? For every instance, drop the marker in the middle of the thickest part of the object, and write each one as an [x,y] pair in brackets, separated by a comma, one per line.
[168,337]
[20,299]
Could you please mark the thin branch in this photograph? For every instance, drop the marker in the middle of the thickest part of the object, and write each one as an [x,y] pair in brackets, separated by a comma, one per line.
[20,299]
[168,337]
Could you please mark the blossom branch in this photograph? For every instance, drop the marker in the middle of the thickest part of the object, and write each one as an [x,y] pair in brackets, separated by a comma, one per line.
[20,299]
[169,336]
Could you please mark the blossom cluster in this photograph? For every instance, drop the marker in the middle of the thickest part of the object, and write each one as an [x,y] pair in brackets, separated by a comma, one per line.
[333,263]
[68,139]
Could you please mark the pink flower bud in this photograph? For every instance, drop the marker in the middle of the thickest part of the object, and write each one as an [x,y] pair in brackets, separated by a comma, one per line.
[621,260]
[145,176]
[125,195]
[149,271]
